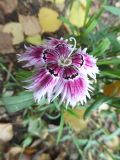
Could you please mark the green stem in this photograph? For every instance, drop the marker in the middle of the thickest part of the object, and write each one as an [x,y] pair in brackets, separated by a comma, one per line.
[61,127]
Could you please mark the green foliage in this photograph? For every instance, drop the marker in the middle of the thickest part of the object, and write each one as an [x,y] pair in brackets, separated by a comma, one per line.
[16,103]
[113,10]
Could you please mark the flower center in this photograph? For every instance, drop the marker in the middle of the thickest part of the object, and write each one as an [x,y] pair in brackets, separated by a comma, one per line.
[64,62]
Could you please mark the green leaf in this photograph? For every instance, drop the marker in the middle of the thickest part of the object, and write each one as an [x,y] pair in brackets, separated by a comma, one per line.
[91,26]
[89,2]
[27,141]
[34,126]
[115,103]
[72,112]
[113,10]
[23,75]
[102,47]
[111,73]
[17,103]
[35,40]
[69,24]
[92,22]
[100,100]
[109,61]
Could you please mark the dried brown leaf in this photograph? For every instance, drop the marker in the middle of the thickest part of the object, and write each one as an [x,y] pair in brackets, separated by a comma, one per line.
[8,6]
[30,25]
[76,121]
[112,89]
[43,156]
[6,43]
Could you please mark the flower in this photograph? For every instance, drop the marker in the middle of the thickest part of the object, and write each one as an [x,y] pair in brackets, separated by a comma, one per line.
[60,70]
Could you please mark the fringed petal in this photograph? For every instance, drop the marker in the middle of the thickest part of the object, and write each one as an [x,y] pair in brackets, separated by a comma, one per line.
[43,85]
[32,56]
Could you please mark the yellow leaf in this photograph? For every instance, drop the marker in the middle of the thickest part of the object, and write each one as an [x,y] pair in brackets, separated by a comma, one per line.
[77,13]
[112,89]
[16,30]
[30,25]
[76,121]
[35,40]
[43,156]
[48,19]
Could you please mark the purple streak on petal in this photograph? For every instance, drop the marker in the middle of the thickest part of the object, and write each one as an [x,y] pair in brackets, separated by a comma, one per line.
[77,60]
[32,56]
[43,84]
[89,64]
[70,72]
[73,91]
[63,50]
[50,55]
[54,69]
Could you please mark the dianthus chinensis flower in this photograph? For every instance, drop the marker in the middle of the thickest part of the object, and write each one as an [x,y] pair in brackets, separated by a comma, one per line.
[60,70]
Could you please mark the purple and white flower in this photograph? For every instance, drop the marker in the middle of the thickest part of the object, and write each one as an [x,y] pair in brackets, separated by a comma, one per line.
[61,70]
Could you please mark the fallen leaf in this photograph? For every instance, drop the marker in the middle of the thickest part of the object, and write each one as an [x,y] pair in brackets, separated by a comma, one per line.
[59,3]
[77,13]
[30,150]
[6,132]
[1,27]
[2,17]
[30,25]
[13,153]
[48,19]
[76,121]
[112,89]
[8,6]
[35,40]
[16,30]
[43,156]
[6,43]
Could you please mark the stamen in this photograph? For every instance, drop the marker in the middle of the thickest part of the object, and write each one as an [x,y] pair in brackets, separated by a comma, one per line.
[72,39]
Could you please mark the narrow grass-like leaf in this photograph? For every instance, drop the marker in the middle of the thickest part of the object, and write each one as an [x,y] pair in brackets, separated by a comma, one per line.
[100,100]
[92,22]
[23,75]
[91,26]
[72,112]
[69,24]
[111,73]
[115,103]
[109,61]
[102,47]
[113,10]
[89,2]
